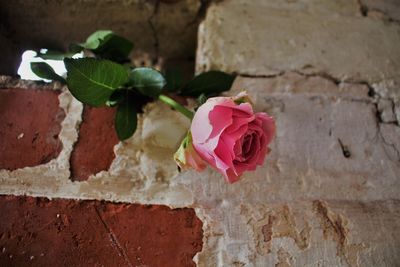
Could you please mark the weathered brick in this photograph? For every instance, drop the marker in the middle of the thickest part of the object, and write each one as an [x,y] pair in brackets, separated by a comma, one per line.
[94,150]
[40,232]
[29,127]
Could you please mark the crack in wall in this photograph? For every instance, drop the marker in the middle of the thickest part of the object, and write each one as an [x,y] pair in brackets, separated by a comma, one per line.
[201,13]
[113,239]
[320,74]
[366,11]
[362,8]
[268,76]
[154,31]
[379,122]
[385,113]
[387,144]
[374,97]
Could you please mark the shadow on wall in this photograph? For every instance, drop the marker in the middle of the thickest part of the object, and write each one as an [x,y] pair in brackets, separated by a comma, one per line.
[159,28]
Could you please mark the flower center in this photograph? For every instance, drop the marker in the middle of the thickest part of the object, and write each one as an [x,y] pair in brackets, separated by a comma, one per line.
[247,143]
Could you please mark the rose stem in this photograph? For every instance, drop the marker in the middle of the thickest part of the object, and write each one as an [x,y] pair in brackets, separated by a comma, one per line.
[169,101]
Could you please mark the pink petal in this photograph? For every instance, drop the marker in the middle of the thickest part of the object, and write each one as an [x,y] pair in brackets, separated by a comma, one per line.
[254,152]
[243,167]
[220,118]
[231,176]
[244,109]
[261,157]
[268,124]
[204,153]
[247,141]
[229,143]
[195,161]
[238,146]
[238,122]
[201,127]
[209,156]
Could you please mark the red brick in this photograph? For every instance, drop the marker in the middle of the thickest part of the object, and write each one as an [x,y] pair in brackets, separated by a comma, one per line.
[94,151]
[40,232]
[29,127]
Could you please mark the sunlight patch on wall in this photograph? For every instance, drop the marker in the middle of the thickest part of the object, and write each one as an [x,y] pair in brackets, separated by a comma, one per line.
[29,56]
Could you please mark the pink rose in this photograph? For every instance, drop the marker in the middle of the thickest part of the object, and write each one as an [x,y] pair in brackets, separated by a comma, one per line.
[228,135]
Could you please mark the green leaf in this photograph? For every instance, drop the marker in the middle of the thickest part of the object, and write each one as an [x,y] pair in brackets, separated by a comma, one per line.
[208,83]
[92,81]
[126,120]
[54,55]
[174,79]
[108,45]
[45,71]
[96,39]
[147,81]
[114,47]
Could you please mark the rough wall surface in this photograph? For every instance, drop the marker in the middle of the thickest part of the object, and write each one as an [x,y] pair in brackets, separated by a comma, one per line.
[317,200]
[313,37]
[328,193]
[329,73]
[303,207]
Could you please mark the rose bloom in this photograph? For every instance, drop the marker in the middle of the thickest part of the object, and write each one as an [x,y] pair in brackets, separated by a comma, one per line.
[227,134]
